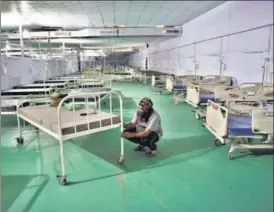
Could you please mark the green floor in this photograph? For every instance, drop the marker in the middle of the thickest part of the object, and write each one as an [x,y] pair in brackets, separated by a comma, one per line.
[189,173]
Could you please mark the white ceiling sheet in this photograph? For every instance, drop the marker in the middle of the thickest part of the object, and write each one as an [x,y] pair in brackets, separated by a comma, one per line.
[77,14]
[89,13]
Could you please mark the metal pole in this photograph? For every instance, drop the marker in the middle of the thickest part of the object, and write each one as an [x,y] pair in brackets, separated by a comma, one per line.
[21,40]
[49,52]
[221,56]
[269,56]
[194,60]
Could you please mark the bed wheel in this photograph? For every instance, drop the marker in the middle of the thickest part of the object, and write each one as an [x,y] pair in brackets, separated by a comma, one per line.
[230,156]
[121,161]
[20,140]
[217,142]
[197,116]
[62,180]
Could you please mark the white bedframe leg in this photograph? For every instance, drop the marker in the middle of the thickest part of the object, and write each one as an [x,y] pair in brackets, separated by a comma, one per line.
[230,152]
[121,159]
[19,139]
[62,179]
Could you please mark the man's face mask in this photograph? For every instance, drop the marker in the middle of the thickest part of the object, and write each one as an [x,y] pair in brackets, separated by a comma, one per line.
[142,110]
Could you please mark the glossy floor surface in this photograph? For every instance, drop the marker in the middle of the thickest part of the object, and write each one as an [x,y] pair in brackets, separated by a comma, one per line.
[188,174]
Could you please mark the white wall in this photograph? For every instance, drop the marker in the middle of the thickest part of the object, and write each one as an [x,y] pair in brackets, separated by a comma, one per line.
[29,70]
[229,29]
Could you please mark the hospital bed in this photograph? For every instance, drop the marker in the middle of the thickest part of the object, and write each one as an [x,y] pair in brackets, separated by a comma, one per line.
[37,92]
[178,84]
[68,78]
[249,92]
[9,104]
[54,81]
[42,85]
[119,75]
[71,83]
[253,91]
[198,94]
[240,129]
[145,76]
[158,82]
[64,124]
[217,79]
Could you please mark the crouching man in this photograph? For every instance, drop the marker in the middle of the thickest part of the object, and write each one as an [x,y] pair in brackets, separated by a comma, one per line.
[145,129]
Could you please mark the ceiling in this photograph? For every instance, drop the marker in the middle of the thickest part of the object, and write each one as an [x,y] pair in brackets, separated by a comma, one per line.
[75,15]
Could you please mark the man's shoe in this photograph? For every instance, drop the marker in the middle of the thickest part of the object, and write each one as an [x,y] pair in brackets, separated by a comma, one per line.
[139,148]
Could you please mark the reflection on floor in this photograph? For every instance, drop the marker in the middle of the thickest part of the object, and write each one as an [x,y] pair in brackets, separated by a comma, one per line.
[189,173]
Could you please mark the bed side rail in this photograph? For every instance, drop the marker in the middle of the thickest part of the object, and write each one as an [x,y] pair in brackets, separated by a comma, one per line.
[262,121]
[217,118]
[250,88]
[223,93]
[31,99]
[241,106]
[266,92]
[86,96]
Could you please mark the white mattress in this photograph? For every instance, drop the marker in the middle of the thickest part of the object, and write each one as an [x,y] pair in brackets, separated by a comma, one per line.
[46,116]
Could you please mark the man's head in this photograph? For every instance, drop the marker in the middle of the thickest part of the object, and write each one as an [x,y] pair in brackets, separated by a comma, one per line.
[145,108]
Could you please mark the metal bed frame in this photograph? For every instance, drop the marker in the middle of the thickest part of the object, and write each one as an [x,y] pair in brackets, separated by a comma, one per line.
[61,138]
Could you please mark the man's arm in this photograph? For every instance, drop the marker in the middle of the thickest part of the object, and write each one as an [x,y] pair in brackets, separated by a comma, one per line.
[150,127]
[133,121]
[143,133]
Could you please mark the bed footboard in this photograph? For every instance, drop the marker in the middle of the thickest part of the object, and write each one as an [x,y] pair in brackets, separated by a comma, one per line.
[262,121]
[153,80]
[169,84]
[217,121]
[193,95]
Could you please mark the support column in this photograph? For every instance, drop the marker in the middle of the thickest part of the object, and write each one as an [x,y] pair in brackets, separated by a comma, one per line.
[79,59]
[21,40]
[49,48]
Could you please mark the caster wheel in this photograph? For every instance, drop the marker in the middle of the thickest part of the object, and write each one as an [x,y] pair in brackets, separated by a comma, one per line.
[217,142]
[62,180]
[230,156]
[121,161]
[197,116]
[249,140]
[20,140]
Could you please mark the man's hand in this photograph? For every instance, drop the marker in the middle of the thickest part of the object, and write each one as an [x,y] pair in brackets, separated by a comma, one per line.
[127,135]
[126,125]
